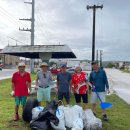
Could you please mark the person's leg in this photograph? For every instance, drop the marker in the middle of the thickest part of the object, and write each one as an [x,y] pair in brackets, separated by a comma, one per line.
[85,100]
[23,101]
[104,115]
[60,96]
[47,95]
[93,102]
[67,97]
[77,99]
[17,103]
[40,95]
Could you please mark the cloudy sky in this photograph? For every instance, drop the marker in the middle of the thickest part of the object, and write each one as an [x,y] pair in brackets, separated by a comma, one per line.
[69,22]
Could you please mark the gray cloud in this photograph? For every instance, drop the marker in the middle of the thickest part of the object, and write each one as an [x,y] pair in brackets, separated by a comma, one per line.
[69,22]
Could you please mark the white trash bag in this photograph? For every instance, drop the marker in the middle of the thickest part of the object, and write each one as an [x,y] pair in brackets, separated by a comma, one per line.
[90,121]
[77,124]
[73,114]
[60,116]
[36,111]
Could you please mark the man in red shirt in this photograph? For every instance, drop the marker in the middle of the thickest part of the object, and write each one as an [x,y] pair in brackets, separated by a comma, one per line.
[21,81]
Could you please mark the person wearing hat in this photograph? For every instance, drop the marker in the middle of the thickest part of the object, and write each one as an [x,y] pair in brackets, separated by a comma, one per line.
[98,78]
[21,81]
[43,80]
[64,84]
[79,86]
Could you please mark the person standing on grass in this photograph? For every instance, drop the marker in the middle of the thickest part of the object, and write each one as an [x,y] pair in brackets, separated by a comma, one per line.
[43,79]
[64,84]
[79,86]
[21,81]
[99,79]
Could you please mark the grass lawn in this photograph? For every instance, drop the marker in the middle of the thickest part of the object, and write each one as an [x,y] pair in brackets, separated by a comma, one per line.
[119,114]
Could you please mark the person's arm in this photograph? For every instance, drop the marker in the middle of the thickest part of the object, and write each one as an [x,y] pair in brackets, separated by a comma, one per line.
[91,81]
[50,76]
[70,83]
[36,80]
[106,82]
[57,83]
[12,83]
[70,88]
[28,82]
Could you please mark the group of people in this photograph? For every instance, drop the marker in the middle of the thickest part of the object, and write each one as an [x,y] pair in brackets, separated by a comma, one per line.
[76,83]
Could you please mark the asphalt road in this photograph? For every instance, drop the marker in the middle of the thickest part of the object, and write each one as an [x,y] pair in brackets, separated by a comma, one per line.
[120,83]
[7,73]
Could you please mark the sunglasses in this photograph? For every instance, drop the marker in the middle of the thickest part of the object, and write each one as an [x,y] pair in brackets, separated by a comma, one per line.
[21,66]
[44,75]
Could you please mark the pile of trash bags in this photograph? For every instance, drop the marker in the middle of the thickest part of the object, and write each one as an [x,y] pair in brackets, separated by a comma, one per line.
[56,117]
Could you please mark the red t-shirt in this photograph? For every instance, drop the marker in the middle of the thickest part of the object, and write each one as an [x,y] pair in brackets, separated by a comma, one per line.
[20,83]
[79,83]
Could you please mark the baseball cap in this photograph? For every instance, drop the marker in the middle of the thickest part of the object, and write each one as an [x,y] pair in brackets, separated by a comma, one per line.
[94,62]
[63,66]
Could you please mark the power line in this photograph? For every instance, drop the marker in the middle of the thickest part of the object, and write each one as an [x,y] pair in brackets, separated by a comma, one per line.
[9,16]
[16,40]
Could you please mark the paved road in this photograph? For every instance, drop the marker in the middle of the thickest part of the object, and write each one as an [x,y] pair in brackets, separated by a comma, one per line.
[7,73]
[120,82]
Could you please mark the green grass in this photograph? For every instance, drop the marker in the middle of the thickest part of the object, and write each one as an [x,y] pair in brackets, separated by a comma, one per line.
[119,114]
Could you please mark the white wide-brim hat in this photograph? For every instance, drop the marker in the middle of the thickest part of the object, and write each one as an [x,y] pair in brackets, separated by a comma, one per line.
[21,64]
[44,64]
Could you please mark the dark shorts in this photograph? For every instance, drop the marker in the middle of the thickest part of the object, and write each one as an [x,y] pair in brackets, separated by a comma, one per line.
[65,95]
[79,96]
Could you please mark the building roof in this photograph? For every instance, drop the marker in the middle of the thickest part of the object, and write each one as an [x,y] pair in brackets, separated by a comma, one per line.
[29,51]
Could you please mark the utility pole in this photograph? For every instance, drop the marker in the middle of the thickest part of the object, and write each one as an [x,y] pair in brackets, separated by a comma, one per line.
[94,7]
[101,53]
[30,30]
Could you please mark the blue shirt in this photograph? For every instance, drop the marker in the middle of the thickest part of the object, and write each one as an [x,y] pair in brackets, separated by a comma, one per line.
[99,80]
[64,81]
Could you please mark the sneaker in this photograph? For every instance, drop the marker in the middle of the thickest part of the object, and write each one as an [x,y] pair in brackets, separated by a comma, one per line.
[16,117]
[105,118]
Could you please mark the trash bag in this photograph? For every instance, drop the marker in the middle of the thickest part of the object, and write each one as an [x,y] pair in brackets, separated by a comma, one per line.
[77,124]
[72,113]
[27,111]
[36,111]
[45,117]
[60,116]
[90,121]
[43,125]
